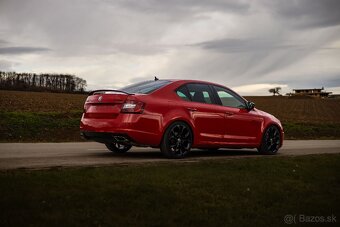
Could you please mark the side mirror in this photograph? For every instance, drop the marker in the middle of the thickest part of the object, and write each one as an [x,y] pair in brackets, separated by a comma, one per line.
[250,105]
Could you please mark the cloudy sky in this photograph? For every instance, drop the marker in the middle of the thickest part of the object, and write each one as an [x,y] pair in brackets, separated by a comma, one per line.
[250,46]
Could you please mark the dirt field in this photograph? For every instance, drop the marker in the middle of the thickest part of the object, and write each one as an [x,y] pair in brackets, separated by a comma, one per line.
[307,110]
[22,101]
[286,109]
[40,116]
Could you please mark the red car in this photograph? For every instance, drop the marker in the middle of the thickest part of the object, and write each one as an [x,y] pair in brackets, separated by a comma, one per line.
[177,115]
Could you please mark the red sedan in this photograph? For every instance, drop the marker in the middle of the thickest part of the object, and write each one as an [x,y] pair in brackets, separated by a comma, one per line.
[177,115]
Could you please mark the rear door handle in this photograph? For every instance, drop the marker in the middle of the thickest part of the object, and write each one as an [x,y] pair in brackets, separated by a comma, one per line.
[191,109]
[228,114]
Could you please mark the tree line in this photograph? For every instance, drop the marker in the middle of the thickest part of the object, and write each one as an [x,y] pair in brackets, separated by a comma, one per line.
[42,82]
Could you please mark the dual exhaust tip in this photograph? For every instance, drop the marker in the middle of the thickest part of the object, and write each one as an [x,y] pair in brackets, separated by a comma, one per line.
[106,137]
[121,140]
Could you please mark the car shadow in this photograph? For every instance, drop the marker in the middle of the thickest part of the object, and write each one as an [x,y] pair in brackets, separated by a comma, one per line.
[193,154]
[223,152]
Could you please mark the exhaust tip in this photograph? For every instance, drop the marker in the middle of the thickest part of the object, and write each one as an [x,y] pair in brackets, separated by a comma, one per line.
[121,139]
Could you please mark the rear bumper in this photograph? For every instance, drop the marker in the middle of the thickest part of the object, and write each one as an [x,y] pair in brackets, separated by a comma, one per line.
[139,129]
[104,137]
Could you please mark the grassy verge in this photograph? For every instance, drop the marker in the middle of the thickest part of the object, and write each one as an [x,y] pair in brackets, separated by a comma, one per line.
[39,127]
[59,127]
[311,130]
[235,192]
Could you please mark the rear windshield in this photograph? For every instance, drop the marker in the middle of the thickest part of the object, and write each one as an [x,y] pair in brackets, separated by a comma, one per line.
[145,87]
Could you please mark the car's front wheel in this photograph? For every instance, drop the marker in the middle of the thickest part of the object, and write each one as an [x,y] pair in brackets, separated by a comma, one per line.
[177,140]
[118,147]
[271,141]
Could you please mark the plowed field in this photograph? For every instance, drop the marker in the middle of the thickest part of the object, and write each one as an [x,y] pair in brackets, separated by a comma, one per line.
[40,116]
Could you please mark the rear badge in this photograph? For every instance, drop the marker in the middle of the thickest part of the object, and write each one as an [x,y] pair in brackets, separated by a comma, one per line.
[100,98]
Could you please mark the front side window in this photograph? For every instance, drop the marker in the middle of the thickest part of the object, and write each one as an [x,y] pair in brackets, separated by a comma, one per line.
[145,87]
[228,98]
[200,93]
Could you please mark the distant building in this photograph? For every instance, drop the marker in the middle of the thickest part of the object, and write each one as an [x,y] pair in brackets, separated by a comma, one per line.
[314,92]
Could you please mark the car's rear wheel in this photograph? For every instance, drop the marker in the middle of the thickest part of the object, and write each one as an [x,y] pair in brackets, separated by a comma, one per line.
[177,140]
[270,141]
[118,147]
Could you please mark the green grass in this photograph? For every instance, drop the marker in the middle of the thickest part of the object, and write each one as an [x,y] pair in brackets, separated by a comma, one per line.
[311,130]
[48,126]
[61,126]
[237,192]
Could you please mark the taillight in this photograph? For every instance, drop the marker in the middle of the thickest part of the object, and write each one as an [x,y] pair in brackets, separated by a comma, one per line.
[132,106]
[85,108]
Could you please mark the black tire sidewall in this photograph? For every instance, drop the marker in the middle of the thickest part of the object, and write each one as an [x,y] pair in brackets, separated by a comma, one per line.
[262,149]
[165,149]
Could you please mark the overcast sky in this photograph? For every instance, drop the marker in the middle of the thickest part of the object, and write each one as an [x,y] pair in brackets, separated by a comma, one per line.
[250,46]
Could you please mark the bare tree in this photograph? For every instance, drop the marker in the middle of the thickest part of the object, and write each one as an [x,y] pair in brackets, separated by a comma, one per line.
[275,90]
[41,82]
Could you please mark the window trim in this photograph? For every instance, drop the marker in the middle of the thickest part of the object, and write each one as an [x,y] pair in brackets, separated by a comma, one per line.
[234,94]
[214,101]
[186,92]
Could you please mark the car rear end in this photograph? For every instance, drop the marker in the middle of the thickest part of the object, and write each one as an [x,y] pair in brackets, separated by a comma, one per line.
[121,115]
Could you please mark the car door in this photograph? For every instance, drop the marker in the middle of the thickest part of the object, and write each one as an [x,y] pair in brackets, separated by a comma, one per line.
[242,126]
[201,106]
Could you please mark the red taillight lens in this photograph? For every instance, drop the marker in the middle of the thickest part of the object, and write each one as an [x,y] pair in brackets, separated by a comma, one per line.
[132,106]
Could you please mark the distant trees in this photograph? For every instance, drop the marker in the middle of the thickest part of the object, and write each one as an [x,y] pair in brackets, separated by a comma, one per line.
[41,82]
[275,90]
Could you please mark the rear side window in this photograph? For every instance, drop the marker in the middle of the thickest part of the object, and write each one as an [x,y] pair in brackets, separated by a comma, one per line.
[145,87]
[200,93]
[182,92]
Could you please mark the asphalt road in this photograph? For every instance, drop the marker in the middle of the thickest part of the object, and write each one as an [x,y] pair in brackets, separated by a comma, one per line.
[49,155]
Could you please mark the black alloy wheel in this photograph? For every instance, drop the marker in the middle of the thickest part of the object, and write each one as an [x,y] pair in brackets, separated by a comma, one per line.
[177,140]
[271,141]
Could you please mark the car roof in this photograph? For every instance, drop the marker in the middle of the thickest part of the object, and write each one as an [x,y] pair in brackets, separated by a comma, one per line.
[193,81]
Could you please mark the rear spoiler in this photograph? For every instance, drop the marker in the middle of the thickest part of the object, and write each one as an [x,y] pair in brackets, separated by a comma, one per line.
[103,90]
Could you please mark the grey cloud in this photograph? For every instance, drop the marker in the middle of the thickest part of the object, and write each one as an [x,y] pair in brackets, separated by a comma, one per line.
[224,41]
[6,65]
[307,13]
[86,27]
[143,78]
[186,6]
[3,42]
[315,80]
[21,50]
[255,56]
[245,45]
[261,56]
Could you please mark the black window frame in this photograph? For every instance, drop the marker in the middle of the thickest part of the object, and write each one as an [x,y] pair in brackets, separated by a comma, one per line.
[187,93]
[237,96]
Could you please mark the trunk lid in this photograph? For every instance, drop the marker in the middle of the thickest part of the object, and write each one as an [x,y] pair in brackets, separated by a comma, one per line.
[104,104]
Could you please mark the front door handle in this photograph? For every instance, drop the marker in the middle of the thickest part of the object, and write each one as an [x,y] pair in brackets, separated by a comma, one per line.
[228,114]
[191,109]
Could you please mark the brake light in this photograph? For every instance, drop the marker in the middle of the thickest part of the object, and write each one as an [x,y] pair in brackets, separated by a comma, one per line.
[132,106]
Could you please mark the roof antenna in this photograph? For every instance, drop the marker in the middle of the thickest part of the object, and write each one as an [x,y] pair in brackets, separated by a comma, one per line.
[156,78]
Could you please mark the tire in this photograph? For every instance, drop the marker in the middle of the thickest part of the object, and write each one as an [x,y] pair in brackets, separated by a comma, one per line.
[118,148]
[177,140]
[270,141]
